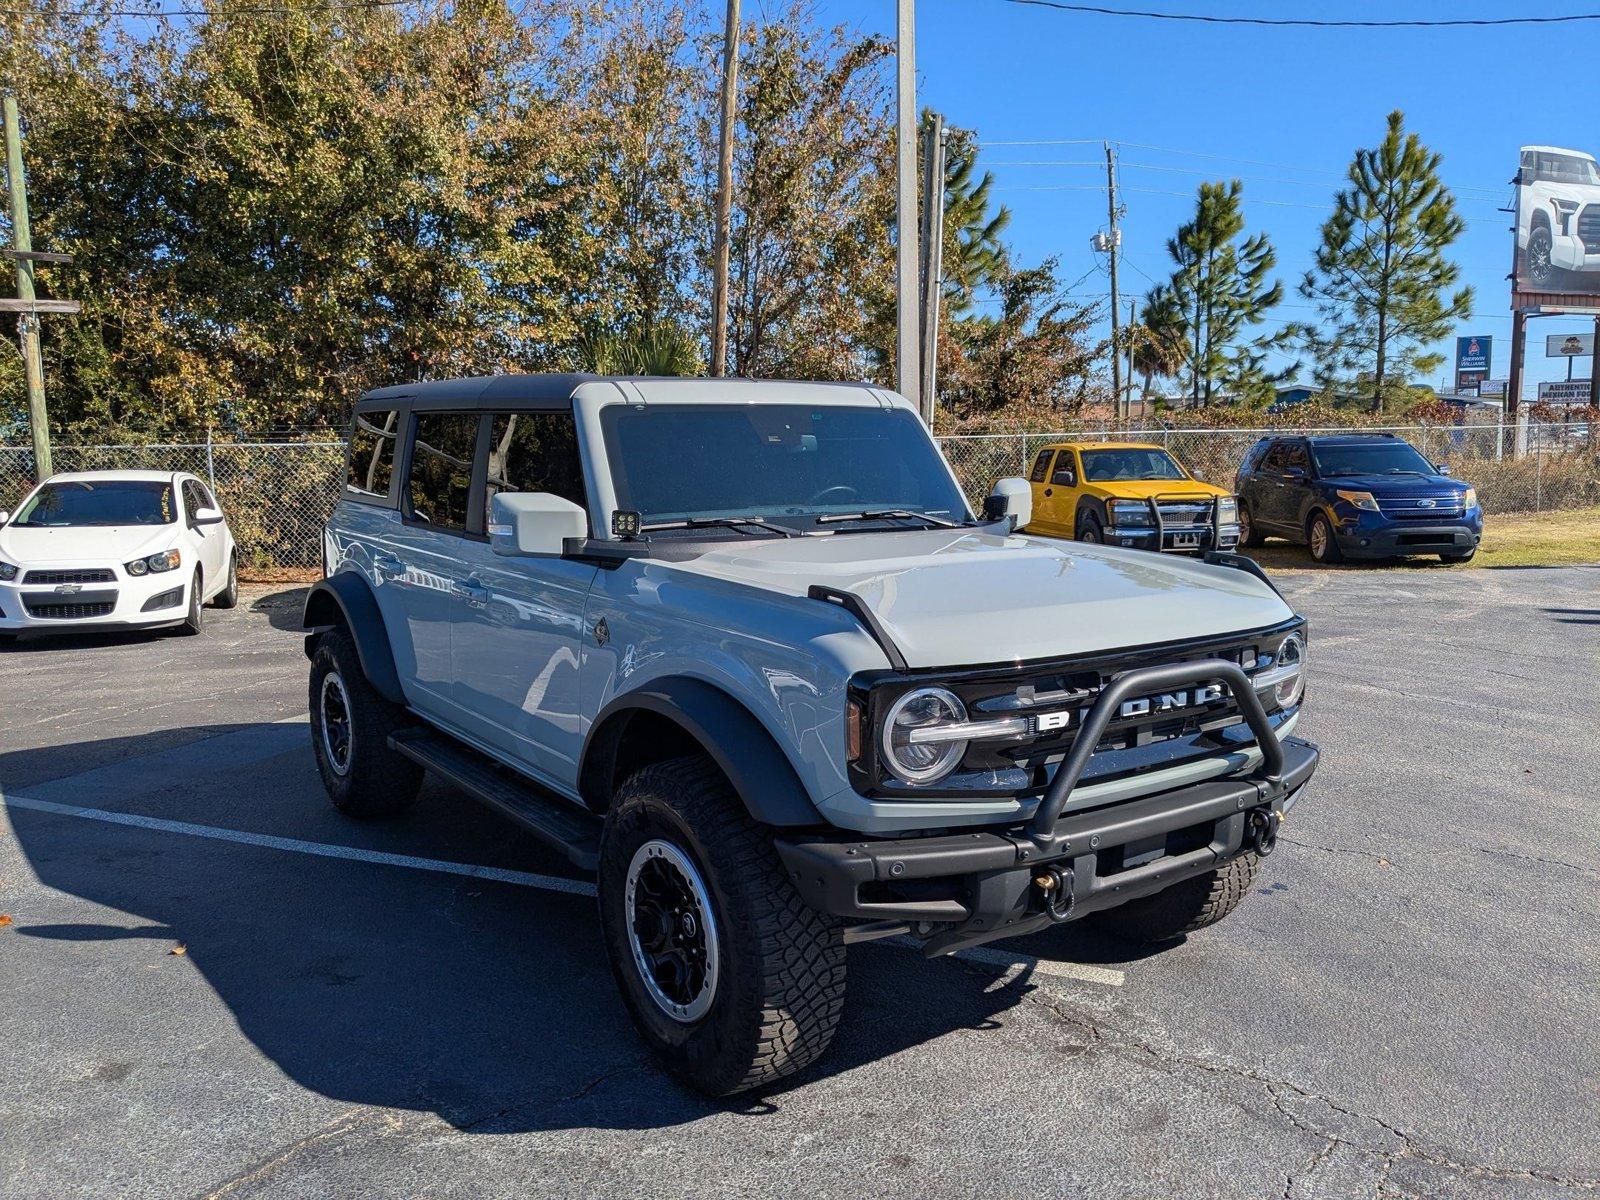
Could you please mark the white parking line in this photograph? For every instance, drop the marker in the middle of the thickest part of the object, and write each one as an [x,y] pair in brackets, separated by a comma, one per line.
[548,883]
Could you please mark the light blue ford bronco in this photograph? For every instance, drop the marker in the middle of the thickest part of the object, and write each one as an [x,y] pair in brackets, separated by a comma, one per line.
[743,650]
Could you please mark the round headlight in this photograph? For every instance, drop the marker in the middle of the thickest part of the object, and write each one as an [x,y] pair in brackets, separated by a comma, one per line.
[137,567]
[924,709]
[1291,655]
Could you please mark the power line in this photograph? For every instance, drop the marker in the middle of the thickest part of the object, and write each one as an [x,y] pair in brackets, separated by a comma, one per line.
[1307,22]
[1490,193]
[1100,187]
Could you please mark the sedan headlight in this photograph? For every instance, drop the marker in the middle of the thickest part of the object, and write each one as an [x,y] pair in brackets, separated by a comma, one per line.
[166,560]
[1228,510]
[1469,498]
[1285,679]
[1130,512]
[922,738]
[1362,500]
[7,572]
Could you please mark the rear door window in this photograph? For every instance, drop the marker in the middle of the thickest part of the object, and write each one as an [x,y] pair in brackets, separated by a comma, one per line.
[372,445]
[1277,458]
[439,486]
[1298,457]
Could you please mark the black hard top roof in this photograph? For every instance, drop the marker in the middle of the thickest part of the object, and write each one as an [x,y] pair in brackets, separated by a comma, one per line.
[531,391]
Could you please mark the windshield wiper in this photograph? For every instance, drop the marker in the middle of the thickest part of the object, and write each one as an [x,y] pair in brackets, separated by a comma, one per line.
[884,514]
[719,523]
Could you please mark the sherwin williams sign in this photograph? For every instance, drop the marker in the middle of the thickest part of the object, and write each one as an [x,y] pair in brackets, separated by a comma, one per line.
[1473,353]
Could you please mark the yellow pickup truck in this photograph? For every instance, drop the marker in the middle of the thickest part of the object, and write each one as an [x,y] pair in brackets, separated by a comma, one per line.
[1129,494]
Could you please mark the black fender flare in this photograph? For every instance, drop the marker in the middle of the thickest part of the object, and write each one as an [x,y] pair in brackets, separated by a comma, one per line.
[725,729]
[1089,506]
[346,599]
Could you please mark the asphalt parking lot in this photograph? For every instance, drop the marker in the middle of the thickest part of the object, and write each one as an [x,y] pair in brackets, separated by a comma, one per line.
[213,985]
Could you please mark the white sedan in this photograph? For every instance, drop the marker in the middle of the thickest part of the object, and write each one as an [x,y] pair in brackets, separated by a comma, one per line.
[114,549]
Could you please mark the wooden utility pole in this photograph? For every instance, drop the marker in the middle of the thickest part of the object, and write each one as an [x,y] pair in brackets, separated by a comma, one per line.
[719,252]
[1519,335]
[1114,241]
[932,257]
[1127,407]
[1594,367]
[27,322]
[907,317]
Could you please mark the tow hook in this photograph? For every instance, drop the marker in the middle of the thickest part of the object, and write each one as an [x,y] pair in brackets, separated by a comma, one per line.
[1055,892]
[1261,830]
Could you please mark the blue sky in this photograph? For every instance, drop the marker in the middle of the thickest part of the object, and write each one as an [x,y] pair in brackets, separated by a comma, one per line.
[1295,102]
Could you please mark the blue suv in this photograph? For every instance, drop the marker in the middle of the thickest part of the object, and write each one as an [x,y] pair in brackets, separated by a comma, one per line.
[1356,496]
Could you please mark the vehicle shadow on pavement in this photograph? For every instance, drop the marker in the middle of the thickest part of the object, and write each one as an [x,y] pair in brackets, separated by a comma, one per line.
[283,608]
[486,1003]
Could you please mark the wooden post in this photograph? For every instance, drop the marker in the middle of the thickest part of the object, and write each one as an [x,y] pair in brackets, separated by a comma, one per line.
[719,252]
[28,322]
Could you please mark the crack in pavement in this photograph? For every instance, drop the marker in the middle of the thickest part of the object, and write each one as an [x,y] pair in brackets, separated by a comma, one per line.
[1534,858]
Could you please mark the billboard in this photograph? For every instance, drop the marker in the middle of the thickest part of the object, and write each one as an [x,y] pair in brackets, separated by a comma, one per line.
[1569,345]
[1557,266]
[1564,393]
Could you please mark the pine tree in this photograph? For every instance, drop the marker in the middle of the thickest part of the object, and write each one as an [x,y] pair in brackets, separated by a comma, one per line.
[1220,288]
[1381,278]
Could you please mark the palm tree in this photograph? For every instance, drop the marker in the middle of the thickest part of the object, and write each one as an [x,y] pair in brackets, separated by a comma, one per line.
[660,348]
[1160,344]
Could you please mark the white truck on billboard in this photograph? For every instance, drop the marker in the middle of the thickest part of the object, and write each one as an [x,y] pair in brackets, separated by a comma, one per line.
[1558,221]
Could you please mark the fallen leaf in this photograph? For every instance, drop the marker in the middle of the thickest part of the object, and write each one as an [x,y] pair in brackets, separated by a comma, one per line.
[180,948]
[5,919]
[1383,862]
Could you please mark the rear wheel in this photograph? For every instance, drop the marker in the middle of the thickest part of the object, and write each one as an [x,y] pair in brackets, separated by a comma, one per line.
[1319,537]
[228,597]
[350,728]
[1090,529]
[1249,535]
[732,980]
[1184,907]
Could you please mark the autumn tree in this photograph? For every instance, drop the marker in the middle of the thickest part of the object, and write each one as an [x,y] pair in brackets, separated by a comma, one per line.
[1383,283]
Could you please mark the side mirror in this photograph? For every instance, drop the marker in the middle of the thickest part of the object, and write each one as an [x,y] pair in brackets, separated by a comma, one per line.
[1012,497]
[208,516]
[523,523]
[1442,468]
[4,516]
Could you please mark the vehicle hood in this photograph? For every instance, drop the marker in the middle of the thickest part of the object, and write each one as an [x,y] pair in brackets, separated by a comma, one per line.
[1167,489]
[90,545]
[970,598]
[1396,486]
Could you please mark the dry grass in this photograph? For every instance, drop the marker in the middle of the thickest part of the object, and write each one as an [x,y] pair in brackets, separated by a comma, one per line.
[1549,539]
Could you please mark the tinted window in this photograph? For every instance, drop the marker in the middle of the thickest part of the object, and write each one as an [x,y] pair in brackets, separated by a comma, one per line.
[1110,466]
[372,440]
[192,500]
[1299,458]
[97,502]
[535,452]
[440,486]
[783,462]
[1277,457]
[1374,458]
[1065,473]
[1041,466]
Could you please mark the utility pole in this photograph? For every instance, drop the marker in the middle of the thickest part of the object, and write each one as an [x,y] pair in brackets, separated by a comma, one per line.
[1127,408]
[719,252]
[932,258]
[1594,367]
[1115,242]
[907,374]
[27,321]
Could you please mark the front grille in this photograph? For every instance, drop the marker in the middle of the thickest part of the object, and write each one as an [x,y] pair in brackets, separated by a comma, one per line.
[86,575]
[1190,513]
[1445,507]
[50,610]
[1589,229]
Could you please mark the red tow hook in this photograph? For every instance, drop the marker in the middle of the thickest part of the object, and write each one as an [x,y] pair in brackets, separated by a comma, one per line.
[1055,892]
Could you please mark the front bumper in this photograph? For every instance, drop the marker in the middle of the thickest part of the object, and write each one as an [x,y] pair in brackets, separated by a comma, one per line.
[1180,539]
[121,602]
[1372,535]
[981,886]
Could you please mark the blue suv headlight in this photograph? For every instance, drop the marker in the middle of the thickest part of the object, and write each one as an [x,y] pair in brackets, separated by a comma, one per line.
[1365,501]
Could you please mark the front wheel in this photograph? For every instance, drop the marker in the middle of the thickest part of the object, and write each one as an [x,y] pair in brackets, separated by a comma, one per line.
[1319,537]
[732,980]
[1184,907]
[350,728]
[1249,536]
[195,622]
[1541,267]
[1089,530]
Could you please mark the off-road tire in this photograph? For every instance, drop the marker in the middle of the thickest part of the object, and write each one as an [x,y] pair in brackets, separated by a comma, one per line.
[780,989]
[195,623]
[1249,533]
[1452,560]
[1330,547]
[378,781]
[1184,907]
[1090,530]
[228,597]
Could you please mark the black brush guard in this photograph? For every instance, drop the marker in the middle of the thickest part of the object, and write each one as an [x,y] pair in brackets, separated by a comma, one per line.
[995,872]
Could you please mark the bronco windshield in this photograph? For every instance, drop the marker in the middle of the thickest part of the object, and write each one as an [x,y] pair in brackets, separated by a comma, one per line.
[1109,466]
[786,463]
[99,502]
[1376,458]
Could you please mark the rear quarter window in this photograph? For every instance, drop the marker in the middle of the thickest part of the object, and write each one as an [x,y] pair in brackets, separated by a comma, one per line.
[372,452]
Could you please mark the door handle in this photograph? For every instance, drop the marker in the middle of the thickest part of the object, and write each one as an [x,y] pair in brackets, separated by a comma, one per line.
[388,565]
[470,590]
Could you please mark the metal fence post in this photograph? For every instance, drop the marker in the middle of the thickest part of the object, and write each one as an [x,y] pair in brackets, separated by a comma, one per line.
[1022,455]
[1538,476]
[211,463]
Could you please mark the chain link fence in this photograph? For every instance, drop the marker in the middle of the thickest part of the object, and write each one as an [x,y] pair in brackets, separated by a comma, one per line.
[278,495]
[1533,468]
